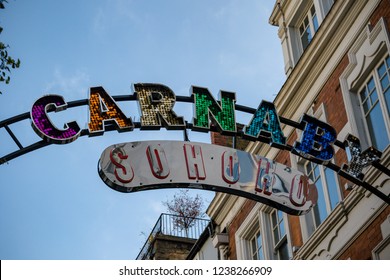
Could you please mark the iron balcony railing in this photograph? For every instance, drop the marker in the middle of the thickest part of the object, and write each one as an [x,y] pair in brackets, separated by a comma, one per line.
[172,225]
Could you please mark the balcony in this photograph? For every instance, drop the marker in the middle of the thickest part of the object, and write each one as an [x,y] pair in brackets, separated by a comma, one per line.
[172,237]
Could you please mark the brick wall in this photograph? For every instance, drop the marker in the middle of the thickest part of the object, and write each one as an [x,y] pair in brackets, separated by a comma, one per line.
[383,10]
[293,221]
[227,141]
[331,96]
[236,223]
[362,247]
[172,247]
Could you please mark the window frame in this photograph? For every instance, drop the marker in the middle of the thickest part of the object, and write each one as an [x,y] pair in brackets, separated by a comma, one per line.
[326,190]
[370,48]
[373,75]
[259,220]
[257,249]
[282,240]
[313,28]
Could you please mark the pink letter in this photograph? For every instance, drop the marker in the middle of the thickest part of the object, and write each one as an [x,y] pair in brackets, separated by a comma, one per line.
[45,128]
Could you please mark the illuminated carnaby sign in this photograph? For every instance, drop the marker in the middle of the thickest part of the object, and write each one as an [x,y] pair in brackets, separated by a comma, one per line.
[156,104]
[137,166]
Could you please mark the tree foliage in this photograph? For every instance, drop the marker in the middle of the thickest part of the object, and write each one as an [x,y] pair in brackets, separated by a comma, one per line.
[185,208]
[6,61]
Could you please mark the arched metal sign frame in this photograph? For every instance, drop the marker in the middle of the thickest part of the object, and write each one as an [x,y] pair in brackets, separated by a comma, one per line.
[187,99]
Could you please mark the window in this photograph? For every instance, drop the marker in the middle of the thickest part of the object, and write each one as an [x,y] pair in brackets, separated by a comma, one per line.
[328,193]
[256,245]
[263,235]
[365,87]
[374,99]
[326,5]
[383,73]
[279,235]
[308,27]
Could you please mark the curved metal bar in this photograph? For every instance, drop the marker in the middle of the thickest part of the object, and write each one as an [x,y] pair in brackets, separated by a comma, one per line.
[187,99]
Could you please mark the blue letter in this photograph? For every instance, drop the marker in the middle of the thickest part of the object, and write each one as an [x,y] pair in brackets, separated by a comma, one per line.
[265,124]
[316,141]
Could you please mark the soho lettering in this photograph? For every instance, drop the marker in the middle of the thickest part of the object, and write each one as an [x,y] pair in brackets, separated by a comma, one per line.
[145,165]
[196,171]
[156,103]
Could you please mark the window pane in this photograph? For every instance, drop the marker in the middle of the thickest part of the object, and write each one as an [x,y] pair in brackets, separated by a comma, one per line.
[332,185]
[280,215]
[274,220]
[320,212]
[315,23]
[374,97]
[387,98]
[385,82]
[275,228]
[363,95]
[317,171]
[308,168]
[312,10]
[281,224]
[301,29]
[276,235]
[260,254]
[377,128]
[381,70]
[327,4]
[253,246]
[283,252]
[306,21]
[371,85]
[306,38]
[259,241]
[366,106]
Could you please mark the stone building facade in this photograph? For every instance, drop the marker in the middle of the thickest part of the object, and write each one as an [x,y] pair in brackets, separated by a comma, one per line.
[337,65]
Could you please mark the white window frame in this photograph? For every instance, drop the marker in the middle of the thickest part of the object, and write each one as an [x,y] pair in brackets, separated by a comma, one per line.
[290,35]
[381,99]
[294,45]
[309,15]
[256,250]
[369,50]
[310,219]
[260,219]
[283,239]
[245,232]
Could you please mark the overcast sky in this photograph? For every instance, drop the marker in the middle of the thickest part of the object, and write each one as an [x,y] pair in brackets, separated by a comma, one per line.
[53,204]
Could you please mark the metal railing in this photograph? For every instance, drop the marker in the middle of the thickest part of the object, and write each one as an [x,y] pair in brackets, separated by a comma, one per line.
[172,225]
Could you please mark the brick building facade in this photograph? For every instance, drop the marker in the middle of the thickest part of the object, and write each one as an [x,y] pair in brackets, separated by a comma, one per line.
[337,65]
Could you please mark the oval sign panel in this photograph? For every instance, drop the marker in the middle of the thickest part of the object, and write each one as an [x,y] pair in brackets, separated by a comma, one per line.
[137,166]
